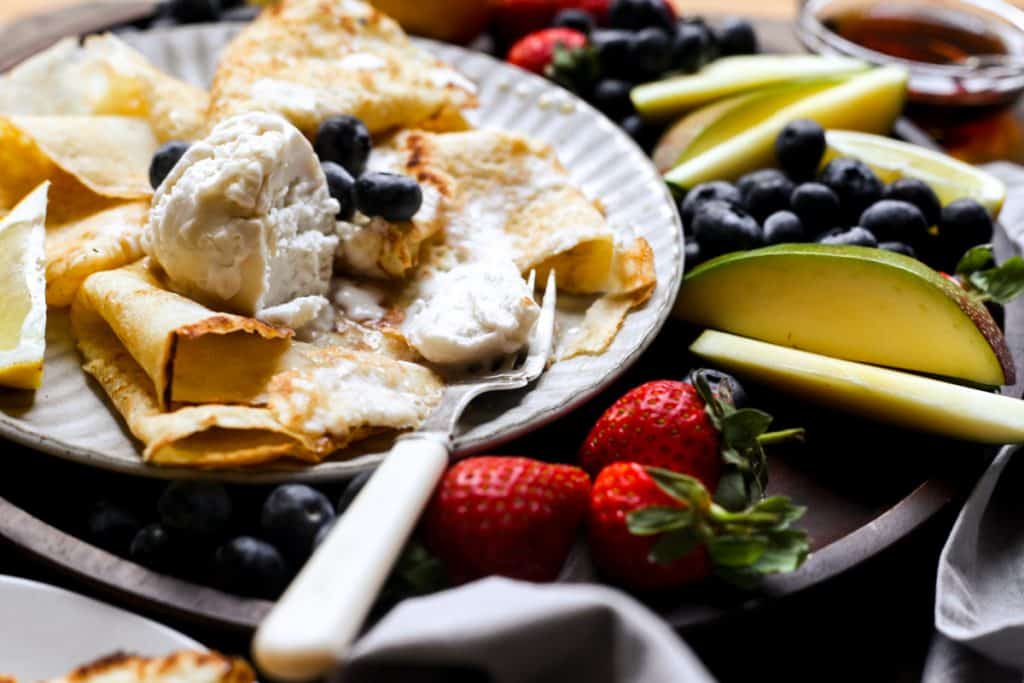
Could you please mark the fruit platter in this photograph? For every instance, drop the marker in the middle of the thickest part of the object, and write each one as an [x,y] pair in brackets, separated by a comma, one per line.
[250,254]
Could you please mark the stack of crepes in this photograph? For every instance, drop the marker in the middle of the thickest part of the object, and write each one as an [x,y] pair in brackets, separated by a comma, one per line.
[206,388]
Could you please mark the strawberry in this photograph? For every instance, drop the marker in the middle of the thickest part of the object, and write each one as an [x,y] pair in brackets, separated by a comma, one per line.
[513,19]
[535,51]
[690,428]
[506,515]
[651,529]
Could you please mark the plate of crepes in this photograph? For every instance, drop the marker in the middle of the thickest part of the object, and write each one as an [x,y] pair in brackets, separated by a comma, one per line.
[258,250]
[51,634]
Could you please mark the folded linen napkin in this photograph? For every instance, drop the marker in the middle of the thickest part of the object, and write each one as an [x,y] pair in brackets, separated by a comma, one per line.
[979,602]
[506,631]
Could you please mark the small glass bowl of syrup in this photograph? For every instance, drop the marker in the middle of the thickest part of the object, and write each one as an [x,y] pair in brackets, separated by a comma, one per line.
[960,53]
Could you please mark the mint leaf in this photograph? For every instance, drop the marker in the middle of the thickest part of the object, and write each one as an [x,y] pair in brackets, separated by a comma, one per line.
[974,259]
[655,520]
[1003,283]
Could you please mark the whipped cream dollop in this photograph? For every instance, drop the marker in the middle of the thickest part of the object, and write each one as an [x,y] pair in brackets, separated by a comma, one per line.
[244,222]
[471,313]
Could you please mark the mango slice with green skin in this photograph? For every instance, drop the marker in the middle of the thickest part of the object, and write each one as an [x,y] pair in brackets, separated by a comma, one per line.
[715,123]
[891,396]
[853,303]
[870,102]
[891,159]
[661,100]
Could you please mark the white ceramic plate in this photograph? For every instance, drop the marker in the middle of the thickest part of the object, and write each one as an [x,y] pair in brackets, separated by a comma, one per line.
[69,416]
[47,631]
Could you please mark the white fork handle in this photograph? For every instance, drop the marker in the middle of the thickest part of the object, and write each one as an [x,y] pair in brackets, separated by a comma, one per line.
[312,625]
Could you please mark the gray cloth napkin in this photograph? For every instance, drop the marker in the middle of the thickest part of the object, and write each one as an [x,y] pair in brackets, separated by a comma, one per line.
[979,600]
[509,631]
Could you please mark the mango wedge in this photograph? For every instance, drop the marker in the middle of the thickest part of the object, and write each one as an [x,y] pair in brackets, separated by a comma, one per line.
[898,398]
[713,124]
[866,102]
[854,303]
[664,99]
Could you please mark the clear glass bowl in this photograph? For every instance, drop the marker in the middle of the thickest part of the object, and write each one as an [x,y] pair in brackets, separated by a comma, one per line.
[972,83]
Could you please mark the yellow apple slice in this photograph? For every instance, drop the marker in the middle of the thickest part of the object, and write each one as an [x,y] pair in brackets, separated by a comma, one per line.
[715,123]
[890,396]
[870,101]
[854,303]
[670,97]
[891,159]
[23,292]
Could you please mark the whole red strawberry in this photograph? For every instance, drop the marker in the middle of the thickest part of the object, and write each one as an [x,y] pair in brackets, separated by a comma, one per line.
[510,516]
[662,424]
[651,529]
[536,50]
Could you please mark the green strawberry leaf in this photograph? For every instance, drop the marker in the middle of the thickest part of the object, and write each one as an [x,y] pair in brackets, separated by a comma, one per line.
[745,425]
[736,551]
[732,492]
[682,487]
[975,259]
[674,545]
[1003,283]
[656,520]
[574,69]
[785,551]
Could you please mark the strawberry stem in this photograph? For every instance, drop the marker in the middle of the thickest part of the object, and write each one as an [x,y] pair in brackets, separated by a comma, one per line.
[782,436]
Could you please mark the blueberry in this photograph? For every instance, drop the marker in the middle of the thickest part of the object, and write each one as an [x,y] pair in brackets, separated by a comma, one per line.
[322,533]
[344,140]
[111,527]
[736,37]
[611,97]
[765,192]
[634,15]
[705,192]
[643,133]
[783,227]
[799,148]
[855,236]
[690,47]
[612,48]
[694,254]
[721,227]
[816,205]
[249,566]
[194,11]
[899,248]
[854,183]
[166,156]
[918,193]
[723,385]
[154,547]
[198,508]
[342,187]
[894,220]
[576,19]
[391,196]
[965,223]
[650,52]
[291,517]
[352,489]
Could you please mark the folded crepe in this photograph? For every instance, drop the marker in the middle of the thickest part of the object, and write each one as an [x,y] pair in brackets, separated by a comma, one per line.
[311,59]
[207,389]
[103,76]
[179,667]
[512,198]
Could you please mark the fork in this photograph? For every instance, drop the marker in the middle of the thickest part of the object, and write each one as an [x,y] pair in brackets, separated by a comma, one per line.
[309,630]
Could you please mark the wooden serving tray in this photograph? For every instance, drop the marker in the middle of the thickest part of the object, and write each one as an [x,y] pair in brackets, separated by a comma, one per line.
[867,487]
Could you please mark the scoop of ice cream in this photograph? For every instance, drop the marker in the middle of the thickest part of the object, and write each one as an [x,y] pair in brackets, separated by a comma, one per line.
[471,313]
[244,221]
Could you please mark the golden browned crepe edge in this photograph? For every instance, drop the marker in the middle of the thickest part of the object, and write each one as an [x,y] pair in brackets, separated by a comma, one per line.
[137,669]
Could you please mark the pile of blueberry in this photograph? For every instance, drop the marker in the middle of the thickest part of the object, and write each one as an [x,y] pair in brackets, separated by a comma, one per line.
[844,203]
[245,540]
[644,41]
[343,145]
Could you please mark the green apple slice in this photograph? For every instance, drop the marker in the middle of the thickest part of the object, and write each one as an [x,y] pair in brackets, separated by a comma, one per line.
[870,101]
[661,100]
[890,396]
[853,303]
[891,159]
[715,123]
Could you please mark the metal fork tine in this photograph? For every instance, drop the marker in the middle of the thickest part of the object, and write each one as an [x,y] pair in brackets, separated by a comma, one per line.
[543,332]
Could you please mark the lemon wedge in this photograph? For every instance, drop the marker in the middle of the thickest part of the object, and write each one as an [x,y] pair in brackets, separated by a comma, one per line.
[891,159]
[23,292]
